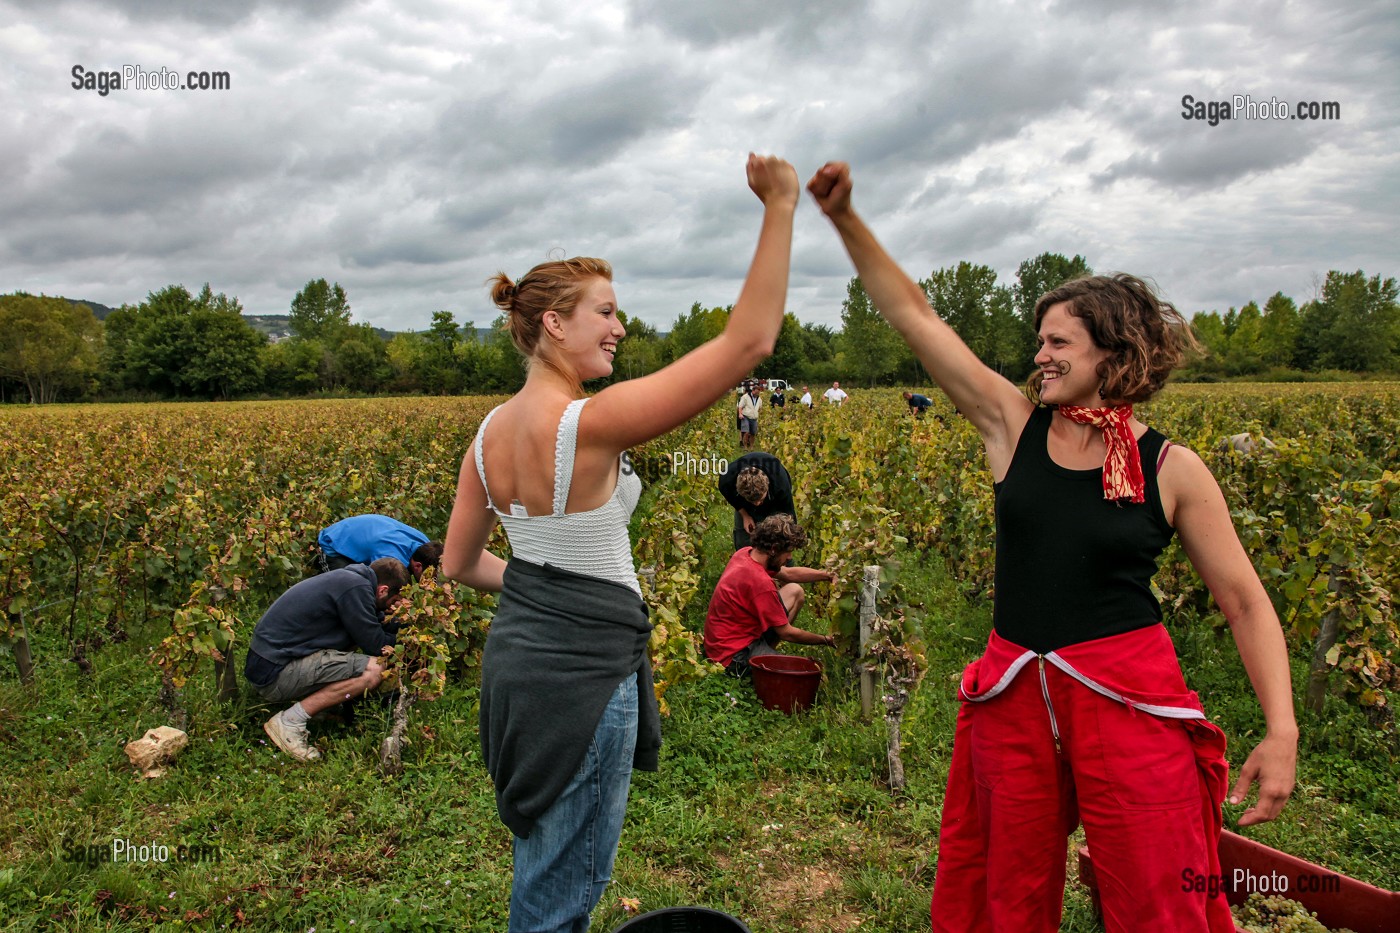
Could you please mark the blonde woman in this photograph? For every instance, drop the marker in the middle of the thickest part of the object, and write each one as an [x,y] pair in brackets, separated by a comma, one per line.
[567,708]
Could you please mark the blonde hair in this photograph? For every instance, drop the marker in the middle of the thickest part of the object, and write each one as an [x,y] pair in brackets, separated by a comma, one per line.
[555,286]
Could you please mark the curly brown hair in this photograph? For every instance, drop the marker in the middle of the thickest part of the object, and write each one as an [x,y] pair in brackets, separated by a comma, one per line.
[778,534]
[1146,336]
[752,485]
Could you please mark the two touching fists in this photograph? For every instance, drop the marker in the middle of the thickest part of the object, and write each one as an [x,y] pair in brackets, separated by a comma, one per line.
[774,180]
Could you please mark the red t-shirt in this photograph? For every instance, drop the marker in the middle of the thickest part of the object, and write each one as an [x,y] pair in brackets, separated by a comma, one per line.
[745,605]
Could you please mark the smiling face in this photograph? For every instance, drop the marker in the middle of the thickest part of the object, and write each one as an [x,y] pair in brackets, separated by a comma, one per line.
[592,332]
[1068,360]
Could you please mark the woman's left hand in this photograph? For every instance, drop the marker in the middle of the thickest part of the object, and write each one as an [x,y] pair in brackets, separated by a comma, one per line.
[1272,765]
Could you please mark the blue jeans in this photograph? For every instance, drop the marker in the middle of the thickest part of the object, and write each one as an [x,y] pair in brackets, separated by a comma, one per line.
[562,869]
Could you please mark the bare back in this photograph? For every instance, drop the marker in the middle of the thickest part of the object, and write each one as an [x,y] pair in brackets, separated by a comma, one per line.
[518,450]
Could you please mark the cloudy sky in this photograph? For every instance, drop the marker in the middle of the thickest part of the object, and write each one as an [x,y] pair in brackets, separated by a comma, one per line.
[409,149]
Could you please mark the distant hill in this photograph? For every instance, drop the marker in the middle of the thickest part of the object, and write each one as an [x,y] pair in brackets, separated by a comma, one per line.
[275,326]
[98,311]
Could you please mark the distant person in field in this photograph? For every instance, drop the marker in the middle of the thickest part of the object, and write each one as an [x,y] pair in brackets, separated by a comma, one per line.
[835,395]
[1246,443]
[749,404]
[778,400]
[918,404]
[806,400]
[1078,710]
[567,702]
[751,609]
[319,645]
[756,485]
[363,539]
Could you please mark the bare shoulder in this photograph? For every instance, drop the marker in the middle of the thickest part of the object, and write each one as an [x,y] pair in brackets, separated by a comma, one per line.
[1183,465]
[1186,485]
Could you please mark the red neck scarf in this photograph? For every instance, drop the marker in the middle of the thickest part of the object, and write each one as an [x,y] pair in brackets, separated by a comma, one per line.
[1122,467]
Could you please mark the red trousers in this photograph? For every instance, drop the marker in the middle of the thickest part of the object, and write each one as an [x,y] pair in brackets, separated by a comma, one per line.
[1103,732]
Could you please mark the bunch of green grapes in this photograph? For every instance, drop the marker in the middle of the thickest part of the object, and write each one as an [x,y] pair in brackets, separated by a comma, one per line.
[1277,914]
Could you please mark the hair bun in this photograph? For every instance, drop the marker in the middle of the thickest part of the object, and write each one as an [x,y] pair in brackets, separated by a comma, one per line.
[503,291]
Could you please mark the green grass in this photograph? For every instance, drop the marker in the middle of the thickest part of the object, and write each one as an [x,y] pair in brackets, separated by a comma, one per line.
[785,822]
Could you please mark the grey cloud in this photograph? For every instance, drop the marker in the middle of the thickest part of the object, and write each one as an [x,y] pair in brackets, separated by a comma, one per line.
[1079,153]
[209,13]
[413,148]
[1200,157]
[579,125]
[717,22]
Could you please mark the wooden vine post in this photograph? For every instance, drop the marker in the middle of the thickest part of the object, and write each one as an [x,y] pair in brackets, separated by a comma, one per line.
[869,595]
[890,646]
[18,639]
[1323,657]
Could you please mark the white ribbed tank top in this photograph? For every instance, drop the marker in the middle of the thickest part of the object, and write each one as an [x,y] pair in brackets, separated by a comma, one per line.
[593,543]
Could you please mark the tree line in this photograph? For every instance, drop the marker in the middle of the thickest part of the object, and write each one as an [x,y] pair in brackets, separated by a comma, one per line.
[177,345]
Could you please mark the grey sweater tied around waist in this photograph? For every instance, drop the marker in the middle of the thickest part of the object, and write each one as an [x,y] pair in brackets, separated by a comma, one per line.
[560,643]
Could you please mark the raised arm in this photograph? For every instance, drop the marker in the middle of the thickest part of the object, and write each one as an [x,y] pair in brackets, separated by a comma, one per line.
[628,413]
[994,406]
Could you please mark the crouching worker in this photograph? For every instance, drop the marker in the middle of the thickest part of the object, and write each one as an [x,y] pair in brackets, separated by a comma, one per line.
[363,539]
[758,597]
[303,648]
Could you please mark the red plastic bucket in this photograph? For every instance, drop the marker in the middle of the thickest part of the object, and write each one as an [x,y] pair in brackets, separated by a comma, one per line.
[786,682]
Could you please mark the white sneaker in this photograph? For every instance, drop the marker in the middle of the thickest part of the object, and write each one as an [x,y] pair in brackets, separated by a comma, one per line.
[294,740]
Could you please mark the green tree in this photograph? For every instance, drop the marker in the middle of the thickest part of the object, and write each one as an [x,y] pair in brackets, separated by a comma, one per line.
[51,345]
[788,360]
[1356,324]
[405,355]
[225,350]
[175,343]
[1035,277]
[968,298]
[1209,329]
[159,341]
[818,354]
[1241,353]
[320,311]
[870,347]
[293,367]
[499,365]
[693,328]
[117,331]
[440,371]
[360,360]
[1278,332]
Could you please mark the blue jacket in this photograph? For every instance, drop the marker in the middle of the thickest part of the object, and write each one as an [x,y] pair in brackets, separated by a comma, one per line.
[366,538]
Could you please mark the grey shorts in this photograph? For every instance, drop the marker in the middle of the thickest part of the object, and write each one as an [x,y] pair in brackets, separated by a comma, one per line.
[738,665]
[748,425]
[305,676]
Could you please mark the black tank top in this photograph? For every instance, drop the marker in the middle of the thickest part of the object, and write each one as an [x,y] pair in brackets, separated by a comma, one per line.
[1072,566]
